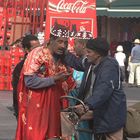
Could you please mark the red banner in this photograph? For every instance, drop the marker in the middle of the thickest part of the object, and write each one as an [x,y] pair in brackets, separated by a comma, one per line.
[75,14]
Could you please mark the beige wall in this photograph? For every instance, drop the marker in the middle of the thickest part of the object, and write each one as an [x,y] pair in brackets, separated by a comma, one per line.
[20,26]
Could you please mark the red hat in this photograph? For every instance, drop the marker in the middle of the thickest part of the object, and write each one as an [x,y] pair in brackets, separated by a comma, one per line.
[83,35]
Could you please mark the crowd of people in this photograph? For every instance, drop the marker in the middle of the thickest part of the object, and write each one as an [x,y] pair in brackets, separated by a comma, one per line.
[129,63]
[50,71]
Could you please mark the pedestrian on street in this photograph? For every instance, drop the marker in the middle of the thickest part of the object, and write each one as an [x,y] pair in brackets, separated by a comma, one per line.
[101,90]
[28,43]
[121,58]
[134,65]
[44,79]
[80,41]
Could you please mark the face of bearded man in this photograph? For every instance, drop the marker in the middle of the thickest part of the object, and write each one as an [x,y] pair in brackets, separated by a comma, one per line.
[59,45]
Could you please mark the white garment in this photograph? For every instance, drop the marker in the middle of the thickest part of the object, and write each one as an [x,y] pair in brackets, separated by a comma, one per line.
[120,57]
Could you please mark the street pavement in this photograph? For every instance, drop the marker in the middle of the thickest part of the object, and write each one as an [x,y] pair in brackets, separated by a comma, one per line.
[8,121]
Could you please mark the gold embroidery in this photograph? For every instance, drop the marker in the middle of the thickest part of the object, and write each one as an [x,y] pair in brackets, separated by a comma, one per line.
[65,87]
[29,95]
[30,128]
[37,105]
[20,96]
[24,119]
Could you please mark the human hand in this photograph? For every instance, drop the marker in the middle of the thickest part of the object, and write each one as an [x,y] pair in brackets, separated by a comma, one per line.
[80,110]
[87,116]
[62,76]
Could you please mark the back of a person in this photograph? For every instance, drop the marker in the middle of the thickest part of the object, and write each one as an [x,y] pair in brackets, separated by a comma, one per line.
[120,57]
[136,54]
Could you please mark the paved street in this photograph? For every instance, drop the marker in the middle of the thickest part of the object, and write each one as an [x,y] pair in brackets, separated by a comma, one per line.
[8,121]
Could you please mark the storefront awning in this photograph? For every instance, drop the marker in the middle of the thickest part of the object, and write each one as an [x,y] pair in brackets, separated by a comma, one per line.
[119,8]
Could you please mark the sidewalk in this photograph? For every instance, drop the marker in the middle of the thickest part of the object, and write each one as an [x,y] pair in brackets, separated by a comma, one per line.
[7,120]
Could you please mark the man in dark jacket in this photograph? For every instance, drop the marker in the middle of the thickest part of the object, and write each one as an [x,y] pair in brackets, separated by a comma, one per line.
[101,90]
[28,43]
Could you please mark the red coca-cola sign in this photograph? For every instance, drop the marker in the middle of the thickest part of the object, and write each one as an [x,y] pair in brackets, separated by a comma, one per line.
[79,6]
[75,14]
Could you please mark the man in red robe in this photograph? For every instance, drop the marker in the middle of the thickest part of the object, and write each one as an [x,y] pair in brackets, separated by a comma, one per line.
[44,79]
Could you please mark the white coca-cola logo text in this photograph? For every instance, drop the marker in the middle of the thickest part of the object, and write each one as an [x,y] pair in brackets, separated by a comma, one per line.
[78,6]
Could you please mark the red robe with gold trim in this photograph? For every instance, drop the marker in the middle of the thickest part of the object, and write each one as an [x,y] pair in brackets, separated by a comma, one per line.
[41,107]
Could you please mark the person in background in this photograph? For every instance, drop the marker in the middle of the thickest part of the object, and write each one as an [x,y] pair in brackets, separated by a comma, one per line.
[44,79]
[28,43]
[101,90]
[121,58]
[127,46]
[80,41]
[134,64]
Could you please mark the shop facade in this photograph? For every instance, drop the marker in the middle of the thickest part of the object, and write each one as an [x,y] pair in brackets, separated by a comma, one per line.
[118,20]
